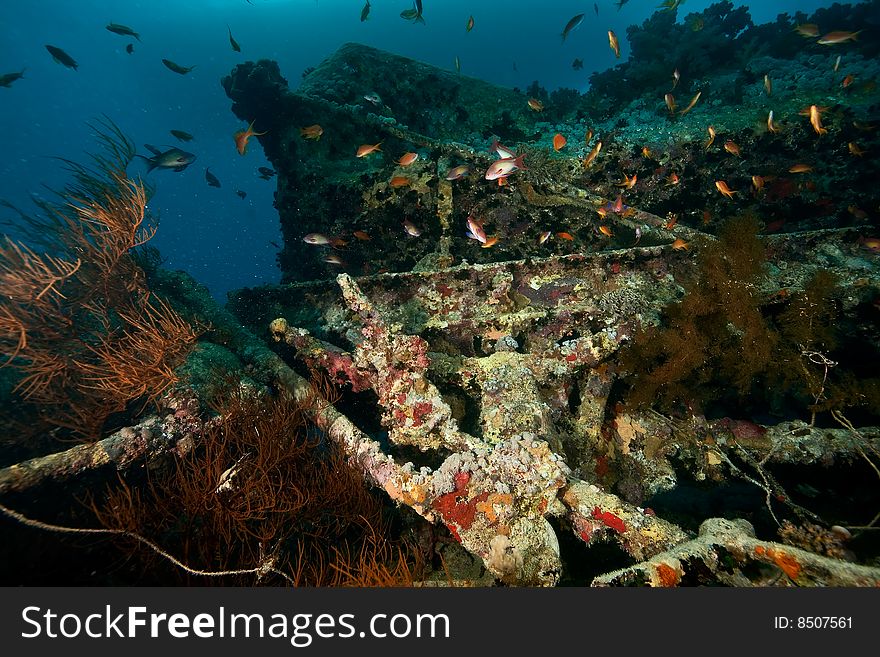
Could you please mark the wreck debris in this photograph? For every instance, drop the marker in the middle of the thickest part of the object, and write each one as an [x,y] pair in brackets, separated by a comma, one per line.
[726,552]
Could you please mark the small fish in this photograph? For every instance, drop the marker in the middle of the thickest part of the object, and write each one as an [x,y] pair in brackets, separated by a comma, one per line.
[724,189]
[800,168]
[177,68]
[174,159]
[857,212]
[181,135]
[673,179]
[620,4]
[628,182]
[129,48]
[407,158]
[732,147]
[559,142]
[596,8]
[266,173]
[362,235]
[399,181]
[872,244]
[646,152]
[233,42]
[366,149]
[242,136]
[588,137]
[536,105]
[62,57]
[373,98]
[461,171]
[457,64]
[815,121]
[470,24]
[502,151]
[848,80]
[490,242]
[593,154]
[854,149]
[833,38]
[676,76]
[311,132]
[758,182]
[837,63]
[414,14]
[365,12]
[571,25]
[543,237]
[606,231]
[8,78]
[333,259]
[504,167]
[577,64]
[671,221]
[411,229]
[771,126]
[669,99]
[123,30]
[475,229]
[565,236]
[680,245]
[318,239]
[211,179]
[669,5]
[691,104]
[768,84]
[242,195]
[807,30]
[613,43]
[864,127]
[617,207]
[711,131]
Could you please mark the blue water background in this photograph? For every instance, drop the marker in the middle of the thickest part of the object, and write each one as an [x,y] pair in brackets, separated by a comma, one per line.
[223,241]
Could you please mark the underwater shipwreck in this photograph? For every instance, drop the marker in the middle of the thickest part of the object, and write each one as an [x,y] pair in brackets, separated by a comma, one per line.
[649,355]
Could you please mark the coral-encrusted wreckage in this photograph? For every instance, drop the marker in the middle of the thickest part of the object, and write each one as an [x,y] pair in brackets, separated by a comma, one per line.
[700,398]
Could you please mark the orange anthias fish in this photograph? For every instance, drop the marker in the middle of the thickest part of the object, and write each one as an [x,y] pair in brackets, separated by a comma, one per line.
[800,168]
[241,138]
[361,235]
[833,38]
[815,121]
[758,182]
[646,152]
[711,132]
[614,43]
[628,182]
[732,147]
[366,149]
[670,102]
[676,76]
[407,159]
[592,154]
[848,80]
[771,126]
[691,104]
[559,142]
[808,30]
[536,105]
[565,236]
[673,179]
[311,132]
[724,189]
[854,149]
[768,85]
[399,181]
[606,231]
[680,245]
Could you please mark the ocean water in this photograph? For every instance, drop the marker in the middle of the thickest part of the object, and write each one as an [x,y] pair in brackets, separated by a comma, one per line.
[224,241]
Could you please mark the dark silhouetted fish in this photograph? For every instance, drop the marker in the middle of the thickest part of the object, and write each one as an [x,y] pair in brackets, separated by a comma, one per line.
[129,48]
[62,57]
[211,178]
[181,135]
[8,78]
[123,30]
[266,173]
[414,14]
[242,195]
[365,12]
[174,159]
[577,64]
[572,24]
[177,68]
[233,42]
